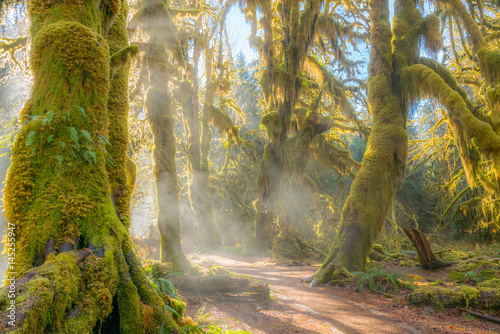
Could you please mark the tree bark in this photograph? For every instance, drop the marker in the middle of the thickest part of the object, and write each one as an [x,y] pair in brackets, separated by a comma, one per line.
[425,256]
[161,118]
[383,163]
[199,192]
[74,262]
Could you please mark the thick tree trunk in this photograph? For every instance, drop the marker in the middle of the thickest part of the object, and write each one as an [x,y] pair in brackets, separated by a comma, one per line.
[298,32]
[384,161]
[74,262]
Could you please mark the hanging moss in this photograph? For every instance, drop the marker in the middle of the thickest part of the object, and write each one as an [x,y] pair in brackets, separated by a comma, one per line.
[224,123]
[432,33]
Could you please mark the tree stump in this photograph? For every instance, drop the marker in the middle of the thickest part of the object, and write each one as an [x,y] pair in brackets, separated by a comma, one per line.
[425,256]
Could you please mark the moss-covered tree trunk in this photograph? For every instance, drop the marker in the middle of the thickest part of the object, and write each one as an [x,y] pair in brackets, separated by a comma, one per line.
[161,118]
[298,33]
[199,190]
[121,177]
[162,33]
[383,163]
[74,261]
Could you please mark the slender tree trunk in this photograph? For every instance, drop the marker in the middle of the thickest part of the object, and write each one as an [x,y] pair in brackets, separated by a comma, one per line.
[74,261]
[118,108]
[201,200]
[162,120]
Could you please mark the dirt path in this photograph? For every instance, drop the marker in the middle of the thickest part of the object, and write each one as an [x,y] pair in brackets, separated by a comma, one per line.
[296,308]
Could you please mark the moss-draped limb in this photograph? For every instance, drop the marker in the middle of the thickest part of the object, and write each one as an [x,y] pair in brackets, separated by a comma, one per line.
[471,134]
[337,91]
[330,156]
[458,9]
[224,123]
[58,194]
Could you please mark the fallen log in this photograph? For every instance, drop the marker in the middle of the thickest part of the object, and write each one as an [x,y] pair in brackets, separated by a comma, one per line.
[458,296]
[228,287]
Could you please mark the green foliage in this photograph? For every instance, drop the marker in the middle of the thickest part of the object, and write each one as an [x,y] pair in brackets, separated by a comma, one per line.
[379,280]
[166,286]
[471,276]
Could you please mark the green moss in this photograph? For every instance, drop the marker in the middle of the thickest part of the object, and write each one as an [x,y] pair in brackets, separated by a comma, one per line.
[491,283]
[272,122]
[118,110]
[467,294]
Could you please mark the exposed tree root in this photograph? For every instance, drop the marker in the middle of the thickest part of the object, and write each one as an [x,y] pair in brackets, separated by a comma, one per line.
[334,272]
[73,292]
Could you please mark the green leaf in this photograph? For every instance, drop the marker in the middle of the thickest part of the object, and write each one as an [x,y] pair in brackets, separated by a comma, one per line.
[49,116]
[30,138]
[81,109]
[171,310]
[92,154]
[86,134]
[59,159]
[86,156]
[74,135]
[103,139]
[50,138]
[63,144]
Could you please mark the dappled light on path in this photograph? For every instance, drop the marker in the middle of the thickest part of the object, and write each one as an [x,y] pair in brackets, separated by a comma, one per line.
[294,307]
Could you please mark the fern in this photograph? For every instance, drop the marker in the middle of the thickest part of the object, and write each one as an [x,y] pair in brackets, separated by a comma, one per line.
[380,281]
[166,286]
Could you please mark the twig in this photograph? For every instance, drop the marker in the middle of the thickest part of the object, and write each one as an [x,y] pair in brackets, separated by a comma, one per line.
[482,316]
[113,229]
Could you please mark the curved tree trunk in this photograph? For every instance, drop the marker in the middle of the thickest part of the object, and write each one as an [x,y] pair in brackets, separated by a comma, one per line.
[383,163]
[74,261]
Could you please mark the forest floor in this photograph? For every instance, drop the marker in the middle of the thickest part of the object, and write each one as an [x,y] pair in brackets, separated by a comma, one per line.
[295,308]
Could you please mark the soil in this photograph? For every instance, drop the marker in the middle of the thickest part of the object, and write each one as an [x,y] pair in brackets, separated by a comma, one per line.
[296,308]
